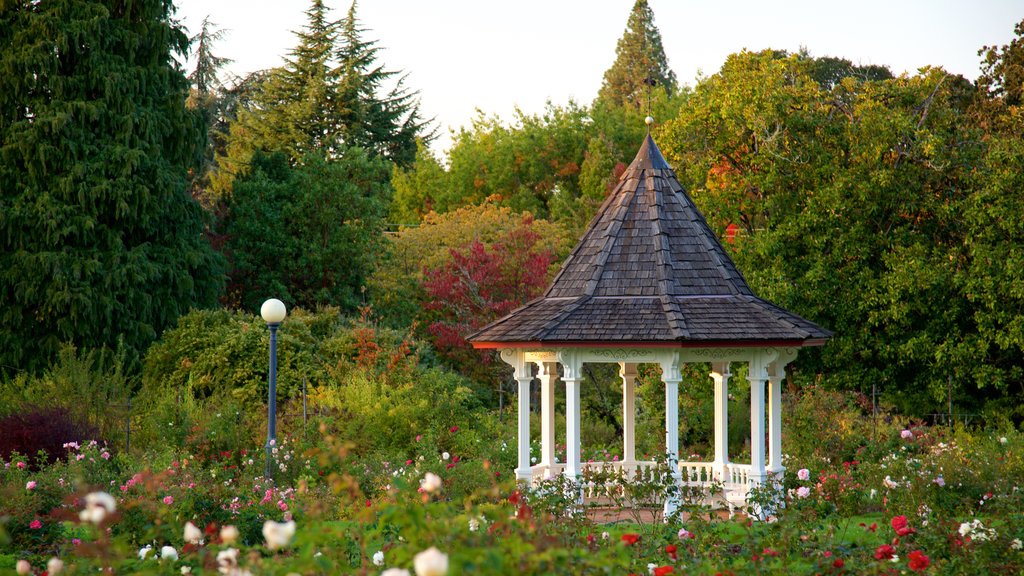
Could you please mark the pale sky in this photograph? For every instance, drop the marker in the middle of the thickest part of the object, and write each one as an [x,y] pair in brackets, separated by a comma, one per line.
[464,55]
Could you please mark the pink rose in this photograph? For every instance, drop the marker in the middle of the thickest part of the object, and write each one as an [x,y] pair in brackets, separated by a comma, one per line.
[36,524]
[30,485]
[168,500]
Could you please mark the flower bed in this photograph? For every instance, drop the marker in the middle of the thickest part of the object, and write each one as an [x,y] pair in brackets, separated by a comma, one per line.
[930,500]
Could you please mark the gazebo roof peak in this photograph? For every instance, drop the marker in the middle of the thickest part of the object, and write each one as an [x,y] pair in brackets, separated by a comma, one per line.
[649,156]
[649,271]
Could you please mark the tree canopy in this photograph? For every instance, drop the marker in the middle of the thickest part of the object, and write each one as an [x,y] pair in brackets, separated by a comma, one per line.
[100,242]
[871,206]
[307,234]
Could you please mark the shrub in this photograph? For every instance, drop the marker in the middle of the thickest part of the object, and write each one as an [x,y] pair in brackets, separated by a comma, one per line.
[41,431]
[91,385]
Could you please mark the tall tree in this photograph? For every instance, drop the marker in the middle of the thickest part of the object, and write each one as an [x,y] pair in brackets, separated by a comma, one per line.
[638,83]
[330,95]
[208,96]
[100,241]
[640,62]
[854,204]
[384,120]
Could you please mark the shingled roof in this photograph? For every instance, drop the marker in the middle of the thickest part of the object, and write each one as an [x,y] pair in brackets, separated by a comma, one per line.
[649,271]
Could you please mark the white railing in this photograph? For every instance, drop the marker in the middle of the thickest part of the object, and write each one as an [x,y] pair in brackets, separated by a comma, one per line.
[605,479]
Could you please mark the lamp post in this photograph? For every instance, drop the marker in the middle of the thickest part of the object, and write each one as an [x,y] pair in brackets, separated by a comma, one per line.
[273,312]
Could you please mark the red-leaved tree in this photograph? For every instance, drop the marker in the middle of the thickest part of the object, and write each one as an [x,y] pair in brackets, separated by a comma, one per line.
[478,285]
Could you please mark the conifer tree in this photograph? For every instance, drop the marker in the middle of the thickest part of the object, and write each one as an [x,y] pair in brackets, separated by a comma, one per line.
[325,99]
[639,60]
[385,124]
[100,242]
[209,97]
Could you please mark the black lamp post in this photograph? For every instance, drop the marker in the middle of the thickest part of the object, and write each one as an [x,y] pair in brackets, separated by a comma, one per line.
[273,312]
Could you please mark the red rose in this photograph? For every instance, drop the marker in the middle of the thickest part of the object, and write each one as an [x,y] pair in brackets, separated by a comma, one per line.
[884,552]
[630,539]
[662,570]
[671,550]
[918,561]
[899,524]
[838,563]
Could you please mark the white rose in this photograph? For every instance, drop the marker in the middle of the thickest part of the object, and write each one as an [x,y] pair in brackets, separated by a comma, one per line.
[144,551]
[193,535]
[227,560]
[430,562]
[23,567]
[395,572]
[97,506]
[378,558]
[169,553]
[431,483]
[229,534]
[278,535]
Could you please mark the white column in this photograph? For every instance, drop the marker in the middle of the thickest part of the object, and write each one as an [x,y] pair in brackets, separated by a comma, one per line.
[757,377]
[524,471]
[547,372]
[627,371]
[720,374]
[671,376]
[571,366]
[775,378]
[523,375]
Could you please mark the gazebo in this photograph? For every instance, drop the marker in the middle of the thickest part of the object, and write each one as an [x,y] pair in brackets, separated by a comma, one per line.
[649,282]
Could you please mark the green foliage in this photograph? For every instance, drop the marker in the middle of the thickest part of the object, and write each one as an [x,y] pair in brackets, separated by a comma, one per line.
[385,412]
[829,71]
[1002,70]
[418,189]
[307,235]
[223,354]
[526,165]
[860,207]
[211,99]
[99,239]
[330,96]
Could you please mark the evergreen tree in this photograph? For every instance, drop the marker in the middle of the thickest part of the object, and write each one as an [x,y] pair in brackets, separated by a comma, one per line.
[326,99]
[640,61]
[209,97]
[386,124]
[638,83]
[100,242]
